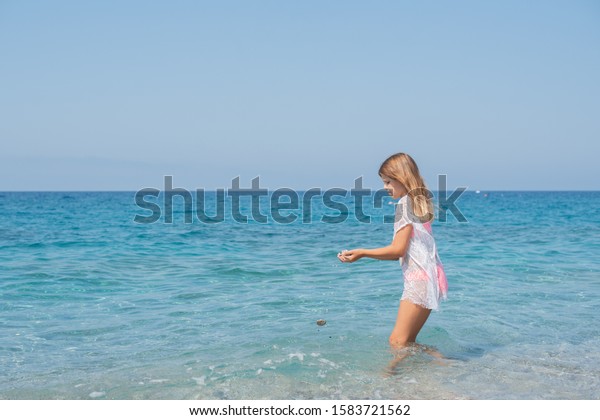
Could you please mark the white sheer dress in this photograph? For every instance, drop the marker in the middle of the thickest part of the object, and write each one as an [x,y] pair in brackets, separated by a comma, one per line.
[425,282]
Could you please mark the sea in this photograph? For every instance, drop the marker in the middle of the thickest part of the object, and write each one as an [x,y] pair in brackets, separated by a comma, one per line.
[113,295]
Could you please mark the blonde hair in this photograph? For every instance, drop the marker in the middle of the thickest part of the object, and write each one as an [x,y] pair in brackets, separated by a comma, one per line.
[404,169]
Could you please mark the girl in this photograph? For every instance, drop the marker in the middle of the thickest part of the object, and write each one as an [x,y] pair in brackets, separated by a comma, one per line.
[425,283]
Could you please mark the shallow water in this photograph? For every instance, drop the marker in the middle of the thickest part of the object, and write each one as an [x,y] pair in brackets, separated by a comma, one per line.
[97,306]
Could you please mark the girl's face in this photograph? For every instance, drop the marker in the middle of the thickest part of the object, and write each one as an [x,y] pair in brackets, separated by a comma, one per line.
[394,187]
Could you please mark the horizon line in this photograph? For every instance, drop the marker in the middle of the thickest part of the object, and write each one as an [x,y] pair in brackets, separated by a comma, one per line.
[467,189]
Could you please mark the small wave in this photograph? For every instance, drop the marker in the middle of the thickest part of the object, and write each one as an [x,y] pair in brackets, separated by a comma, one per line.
[36,245]
[191,296]
[245,273]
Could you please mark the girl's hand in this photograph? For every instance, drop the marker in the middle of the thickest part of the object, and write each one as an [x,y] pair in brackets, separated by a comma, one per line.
[350,256]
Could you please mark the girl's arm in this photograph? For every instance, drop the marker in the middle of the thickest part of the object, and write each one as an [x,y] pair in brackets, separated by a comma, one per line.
[393,251]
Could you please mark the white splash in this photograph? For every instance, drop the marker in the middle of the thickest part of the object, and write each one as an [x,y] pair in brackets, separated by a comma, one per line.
[97,394]
[201,380]
[299,356]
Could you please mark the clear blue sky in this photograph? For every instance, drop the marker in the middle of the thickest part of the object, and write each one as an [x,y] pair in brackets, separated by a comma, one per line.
[112,95]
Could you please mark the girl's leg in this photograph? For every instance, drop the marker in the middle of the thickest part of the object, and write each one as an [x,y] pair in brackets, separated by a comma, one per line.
[410,320]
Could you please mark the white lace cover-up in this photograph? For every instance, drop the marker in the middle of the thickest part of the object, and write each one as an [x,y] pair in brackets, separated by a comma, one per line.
[425,282]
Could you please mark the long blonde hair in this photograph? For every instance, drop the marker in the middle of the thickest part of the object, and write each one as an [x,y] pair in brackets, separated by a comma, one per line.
[404,169]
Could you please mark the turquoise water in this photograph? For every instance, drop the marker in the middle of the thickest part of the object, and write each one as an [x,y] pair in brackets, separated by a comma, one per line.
[94,305]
